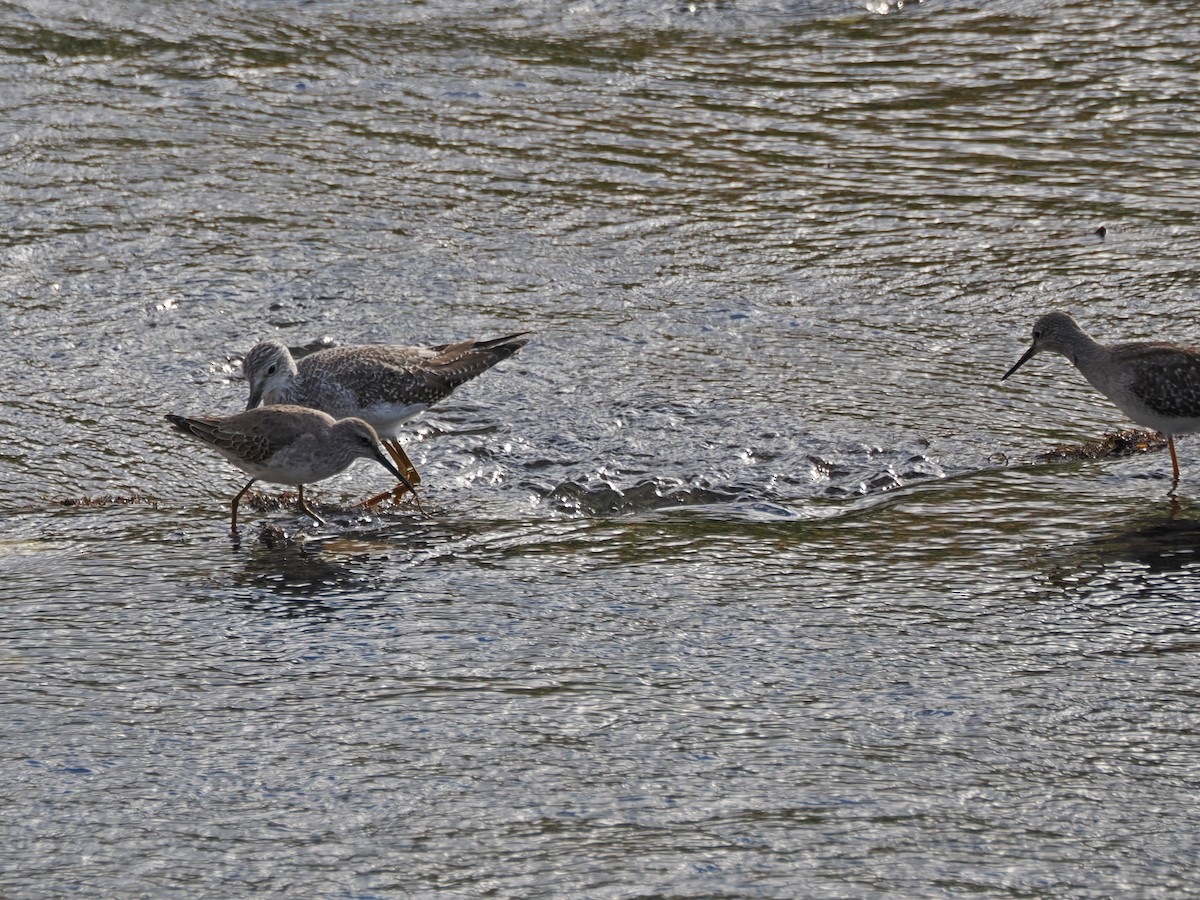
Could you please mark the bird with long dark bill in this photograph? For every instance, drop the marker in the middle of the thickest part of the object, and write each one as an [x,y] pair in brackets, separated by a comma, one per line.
[1155,383]
[285,444]
[384,384]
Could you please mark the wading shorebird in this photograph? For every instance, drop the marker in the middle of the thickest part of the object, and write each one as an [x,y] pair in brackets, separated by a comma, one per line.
[1156,384]
[286,445]
[385,385]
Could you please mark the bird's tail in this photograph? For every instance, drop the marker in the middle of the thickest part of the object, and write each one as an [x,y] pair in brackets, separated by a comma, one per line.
[459,363]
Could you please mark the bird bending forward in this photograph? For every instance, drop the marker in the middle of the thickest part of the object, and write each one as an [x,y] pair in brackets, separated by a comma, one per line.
[1155,383]
[385,385]
[285,445]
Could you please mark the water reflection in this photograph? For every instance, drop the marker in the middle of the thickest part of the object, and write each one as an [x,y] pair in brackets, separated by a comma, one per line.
[304,573]
[1161,542]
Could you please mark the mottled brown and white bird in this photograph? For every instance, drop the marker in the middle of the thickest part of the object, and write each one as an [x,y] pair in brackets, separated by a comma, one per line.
[286,445]
[1156,384]
[385,385]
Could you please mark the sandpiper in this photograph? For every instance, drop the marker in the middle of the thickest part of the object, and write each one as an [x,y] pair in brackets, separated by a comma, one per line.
[286,445]
[1156,384]
[385,385]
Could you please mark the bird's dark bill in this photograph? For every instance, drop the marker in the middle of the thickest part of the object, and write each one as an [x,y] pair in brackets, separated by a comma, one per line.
[1020,362]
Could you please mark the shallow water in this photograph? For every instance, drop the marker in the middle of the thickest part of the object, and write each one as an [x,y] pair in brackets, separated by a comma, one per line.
[742,579]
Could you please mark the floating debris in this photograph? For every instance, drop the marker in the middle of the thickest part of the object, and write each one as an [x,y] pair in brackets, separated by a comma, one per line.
[109,500]
[273,537]
[1117,443]
[261,501]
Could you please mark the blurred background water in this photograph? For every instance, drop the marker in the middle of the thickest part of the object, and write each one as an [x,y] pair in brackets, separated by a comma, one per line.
[743,578]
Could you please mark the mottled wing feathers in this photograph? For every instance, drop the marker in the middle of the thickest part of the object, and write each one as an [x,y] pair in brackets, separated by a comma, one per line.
[505,346]
[405,375]
[1169,381]
[457,364]
[254,436]
[249,446]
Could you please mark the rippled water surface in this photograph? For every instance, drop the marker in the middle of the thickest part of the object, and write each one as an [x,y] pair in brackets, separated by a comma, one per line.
[745,578]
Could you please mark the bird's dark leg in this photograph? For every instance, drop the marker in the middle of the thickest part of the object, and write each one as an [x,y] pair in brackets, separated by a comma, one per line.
[236,500]
[307,509]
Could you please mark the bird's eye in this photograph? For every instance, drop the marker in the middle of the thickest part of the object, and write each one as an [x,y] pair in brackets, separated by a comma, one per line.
[271,370]
[1036,334]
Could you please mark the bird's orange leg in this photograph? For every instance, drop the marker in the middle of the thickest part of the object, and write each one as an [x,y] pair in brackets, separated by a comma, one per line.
[407,469]
[1174,458]
[403,463]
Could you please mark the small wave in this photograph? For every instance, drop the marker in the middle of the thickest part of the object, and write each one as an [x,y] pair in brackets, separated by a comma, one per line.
[780,491]
[603,498]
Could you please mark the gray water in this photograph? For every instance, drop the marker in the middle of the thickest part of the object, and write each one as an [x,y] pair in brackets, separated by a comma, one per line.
[743,579]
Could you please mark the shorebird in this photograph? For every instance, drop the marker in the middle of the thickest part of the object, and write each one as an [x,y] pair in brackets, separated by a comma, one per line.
[1156,384]
[285,445]
[385,385]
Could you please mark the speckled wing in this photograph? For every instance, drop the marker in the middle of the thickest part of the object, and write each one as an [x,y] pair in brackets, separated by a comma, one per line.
[457,364]
[253,436]
[405,376]
[1169,382]
[239,445]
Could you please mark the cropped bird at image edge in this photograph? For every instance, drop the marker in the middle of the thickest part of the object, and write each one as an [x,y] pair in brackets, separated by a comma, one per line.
[1155,383]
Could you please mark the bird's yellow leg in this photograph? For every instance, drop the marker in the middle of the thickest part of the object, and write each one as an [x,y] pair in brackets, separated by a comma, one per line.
[379,498]
[307,509]
[236,500]
[407,469]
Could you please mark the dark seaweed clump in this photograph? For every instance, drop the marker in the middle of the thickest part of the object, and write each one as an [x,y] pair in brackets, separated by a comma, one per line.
[1117,443]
